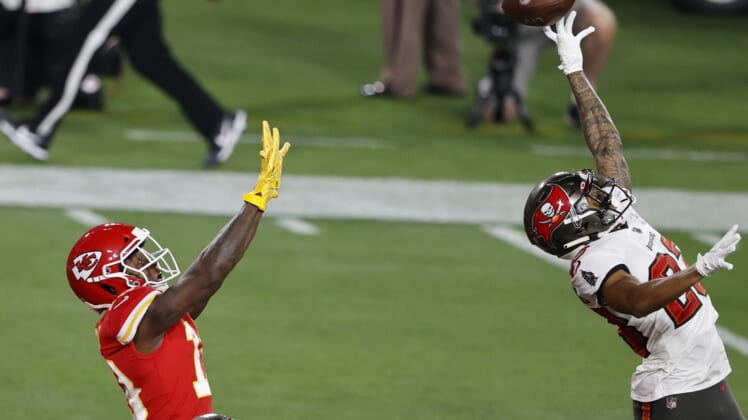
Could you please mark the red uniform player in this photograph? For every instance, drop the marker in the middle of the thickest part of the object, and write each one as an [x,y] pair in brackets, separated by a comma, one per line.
[147,334]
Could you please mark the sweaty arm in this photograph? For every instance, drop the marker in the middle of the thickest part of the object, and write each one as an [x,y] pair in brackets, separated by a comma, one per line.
[207,273]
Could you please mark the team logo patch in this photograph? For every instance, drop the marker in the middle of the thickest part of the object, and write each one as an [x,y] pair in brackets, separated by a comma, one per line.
[84,264]
[551,213]
[589,277]
[671,403]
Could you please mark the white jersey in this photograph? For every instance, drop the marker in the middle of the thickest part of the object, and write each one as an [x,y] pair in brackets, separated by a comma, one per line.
[679,344]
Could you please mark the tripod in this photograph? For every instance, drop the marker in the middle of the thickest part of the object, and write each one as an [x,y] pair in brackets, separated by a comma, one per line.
[495,88]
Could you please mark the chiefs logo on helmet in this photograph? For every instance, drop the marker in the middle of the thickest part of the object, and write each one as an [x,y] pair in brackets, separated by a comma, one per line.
[549,215]
[84,264]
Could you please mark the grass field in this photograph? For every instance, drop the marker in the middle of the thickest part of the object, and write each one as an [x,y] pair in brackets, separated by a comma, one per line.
[369,318]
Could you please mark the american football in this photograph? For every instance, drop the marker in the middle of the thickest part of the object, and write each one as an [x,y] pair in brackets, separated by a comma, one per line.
[536,12]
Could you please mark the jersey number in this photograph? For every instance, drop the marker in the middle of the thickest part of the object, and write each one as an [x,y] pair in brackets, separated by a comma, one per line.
[201,385]
[665,264]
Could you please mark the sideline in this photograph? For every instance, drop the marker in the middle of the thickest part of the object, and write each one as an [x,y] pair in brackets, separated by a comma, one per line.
[327,197]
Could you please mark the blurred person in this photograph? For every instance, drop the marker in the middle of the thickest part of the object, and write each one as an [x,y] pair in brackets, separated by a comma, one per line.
[137,23]
[629,273]
[146,332]
[528,42]
[416,31]
[35,36]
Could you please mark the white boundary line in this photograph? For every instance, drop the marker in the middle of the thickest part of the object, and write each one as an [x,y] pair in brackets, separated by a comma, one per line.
[297,226]
[142,135]
[85,217]
[328,197]
[733,340]
[649,154]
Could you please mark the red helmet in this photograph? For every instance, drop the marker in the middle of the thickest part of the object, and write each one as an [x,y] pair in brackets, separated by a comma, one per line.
[97,271]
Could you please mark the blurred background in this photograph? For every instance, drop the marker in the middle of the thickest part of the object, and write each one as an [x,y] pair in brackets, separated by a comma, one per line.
[391,278]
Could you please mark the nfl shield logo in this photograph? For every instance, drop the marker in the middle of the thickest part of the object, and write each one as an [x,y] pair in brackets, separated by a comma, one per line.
[671,403]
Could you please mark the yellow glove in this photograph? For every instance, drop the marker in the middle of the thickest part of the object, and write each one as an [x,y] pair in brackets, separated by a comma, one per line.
[271,167]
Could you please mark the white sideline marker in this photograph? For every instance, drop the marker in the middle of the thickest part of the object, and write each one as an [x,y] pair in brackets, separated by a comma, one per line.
[310,141]
[86,217]
[518,240]
[297,226]
[733,340]
[649,154]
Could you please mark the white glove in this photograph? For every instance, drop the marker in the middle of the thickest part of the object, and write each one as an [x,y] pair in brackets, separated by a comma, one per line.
[569,45]
[715,258]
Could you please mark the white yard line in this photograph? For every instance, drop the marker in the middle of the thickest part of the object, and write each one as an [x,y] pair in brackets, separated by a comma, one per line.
[297,226]
[394,199]
[733,340]
[518,240]
[649,154]
[85,217]
[310,141]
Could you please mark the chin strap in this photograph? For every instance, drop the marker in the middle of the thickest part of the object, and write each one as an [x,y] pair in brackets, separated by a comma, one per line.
[595,236]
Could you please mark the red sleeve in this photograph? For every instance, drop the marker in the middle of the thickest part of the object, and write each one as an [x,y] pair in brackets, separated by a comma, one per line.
[120,323]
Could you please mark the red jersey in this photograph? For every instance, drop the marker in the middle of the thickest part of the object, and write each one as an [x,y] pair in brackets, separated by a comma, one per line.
[168,383]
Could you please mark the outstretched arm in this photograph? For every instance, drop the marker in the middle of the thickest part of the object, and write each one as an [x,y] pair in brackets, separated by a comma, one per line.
[600,134]
[626,294]
[207,273]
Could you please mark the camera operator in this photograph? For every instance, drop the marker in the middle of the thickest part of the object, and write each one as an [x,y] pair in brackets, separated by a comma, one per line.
[495,90]
[526,43]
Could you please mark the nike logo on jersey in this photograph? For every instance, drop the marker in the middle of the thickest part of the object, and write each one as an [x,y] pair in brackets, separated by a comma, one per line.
[124,299]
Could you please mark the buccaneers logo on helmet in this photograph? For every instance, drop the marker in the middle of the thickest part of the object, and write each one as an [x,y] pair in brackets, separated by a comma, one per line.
[551,213]
[569,209]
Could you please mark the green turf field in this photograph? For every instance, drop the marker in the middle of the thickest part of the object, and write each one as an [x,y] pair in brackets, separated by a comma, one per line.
[370,319]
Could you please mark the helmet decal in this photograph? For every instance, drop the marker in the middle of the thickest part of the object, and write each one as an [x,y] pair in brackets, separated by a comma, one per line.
[98,270]
[569,209]
[84,264]
[551,213]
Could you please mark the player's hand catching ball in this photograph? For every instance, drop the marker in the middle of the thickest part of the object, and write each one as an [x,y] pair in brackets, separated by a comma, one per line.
[568,45]
[271,167]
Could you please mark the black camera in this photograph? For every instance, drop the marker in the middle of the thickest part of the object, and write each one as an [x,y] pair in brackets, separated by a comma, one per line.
[495,87]
[492,25]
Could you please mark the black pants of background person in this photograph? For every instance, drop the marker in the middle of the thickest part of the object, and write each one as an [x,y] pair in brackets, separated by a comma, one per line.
[138,25]
[33,47]
[713,403]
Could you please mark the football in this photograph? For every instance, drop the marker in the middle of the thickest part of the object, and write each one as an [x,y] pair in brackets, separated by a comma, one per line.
[536,12]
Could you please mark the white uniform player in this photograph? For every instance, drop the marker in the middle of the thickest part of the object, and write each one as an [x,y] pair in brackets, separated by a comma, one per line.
[681,349]
[625,270]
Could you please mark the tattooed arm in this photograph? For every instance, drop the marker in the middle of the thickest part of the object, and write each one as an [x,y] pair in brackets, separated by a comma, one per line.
[601,135]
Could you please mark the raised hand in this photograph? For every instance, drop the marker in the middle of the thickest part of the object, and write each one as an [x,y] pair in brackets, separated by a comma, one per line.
[713,260]
[271,168]
[568,44]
